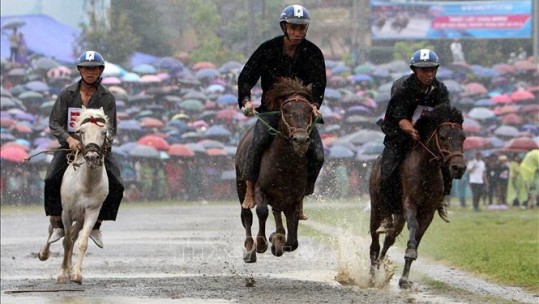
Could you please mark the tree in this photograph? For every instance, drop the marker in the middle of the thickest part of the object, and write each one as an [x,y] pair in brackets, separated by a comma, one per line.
[115,40]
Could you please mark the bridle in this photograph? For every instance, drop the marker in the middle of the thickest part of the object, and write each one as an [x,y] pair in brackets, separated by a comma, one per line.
[93,147]
[294,130]
[444,155]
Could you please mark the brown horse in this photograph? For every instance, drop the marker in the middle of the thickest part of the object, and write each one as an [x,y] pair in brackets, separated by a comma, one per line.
[283,170]
[421,183]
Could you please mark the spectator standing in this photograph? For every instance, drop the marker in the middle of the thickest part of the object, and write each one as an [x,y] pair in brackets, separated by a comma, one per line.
[13,46]
[502,176]
[529,167]
[22,50]
[514,182]
[478,179]
[456,51]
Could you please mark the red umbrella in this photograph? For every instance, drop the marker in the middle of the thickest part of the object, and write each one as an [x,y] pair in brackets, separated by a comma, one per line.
[475,142]
[216,152]
[522,95]
[525,65]
[506,109]
[521,144]
[226,114]
[13,144]
[474,88]
[154,141]
[13,154]
[180,150]
[22,128]
[149,122]
[501,99]
[203,65]
[7,122]
[504,68]
[511,119]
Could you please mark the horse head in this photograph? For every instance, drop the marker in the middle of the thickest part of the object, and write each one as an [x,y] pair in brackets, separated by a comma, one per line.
[92,128]
[442,136]
[292,100]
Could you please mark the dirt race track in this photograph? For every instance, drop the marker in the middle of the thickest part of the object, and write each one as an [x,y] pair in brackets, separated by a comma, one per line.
[193,254]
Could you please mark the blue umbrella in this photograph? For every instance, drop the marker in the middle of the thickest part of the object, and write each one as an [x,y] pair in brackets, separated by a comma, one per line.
[218,130]
[207,73]
[144,69]
[484,72]
[340,69]
[332,94]
[144,152]
[483,103]
[340,151]
[169,64]
[129,125]
[380,73]
[130,77]
[360,78]
[227,99]
[38,86]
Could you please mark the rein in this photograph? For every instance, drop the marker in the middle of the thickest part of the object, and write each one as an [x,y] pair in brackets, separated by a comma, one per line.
[443,154]
[293,130]
[91,147]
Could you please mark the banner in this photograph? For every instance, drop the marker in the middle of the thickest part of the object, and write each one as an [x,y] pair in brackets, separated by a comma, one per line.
[451,20]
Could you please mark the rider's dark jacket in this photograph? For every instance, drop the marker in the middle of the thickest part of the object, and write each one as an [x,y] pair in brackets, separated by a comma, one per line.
[406,96]
[269,63]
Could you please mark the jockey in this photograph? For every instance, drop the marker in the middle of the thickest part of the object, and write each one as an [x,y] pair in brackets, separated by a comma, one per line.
[410,96]
[88,92]
[287,55]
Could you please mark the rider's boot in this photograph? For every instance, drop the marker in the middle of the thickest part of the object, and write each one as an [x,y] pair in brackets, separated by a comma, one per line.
[95,234]
[57,228]
[301,215]
[442,208]
[249,200]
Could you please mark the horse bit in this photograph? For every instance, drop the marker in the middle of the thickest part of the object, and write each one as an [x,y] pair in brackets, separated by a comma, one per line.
[446,155]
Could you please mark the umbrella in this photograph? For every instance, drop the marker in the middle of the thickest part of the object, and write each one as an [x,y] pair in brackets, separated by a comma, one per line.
[196,147]
[59,72]
[207,73]
[230,66]
[525,65]
[332,94]
[340,152]
[149,79]
[340,69]
[217,131]
[361,137]
[169,64]
[215,89]
[193,94]
[144,69]
[144,151]
[129,125]
[227,99]
[216,152]
[474,88]
[154,141]
[203,65]
[191,105]
[511,119]
[507,131]
[111,80]
[13,24]
[226,114]
[522,95]
[45,63]
[112,69]
[180,150]
[13,154]
[209,143]
[521,144]
[501,99]
[16,72]
[453,86]
[475,142]
[481,113]
[150,122]
[31,97]
[130,77]
[38,86]
[356,78]
[504,68]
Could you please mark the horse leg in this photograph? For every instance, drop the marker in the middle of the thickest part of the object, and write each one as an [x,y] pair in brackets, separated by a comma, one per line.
[249,250]
[292,220]
[374,249]
[389,240]
[278,238]
[261,242]
[90,218]
[67,243]
[43,254]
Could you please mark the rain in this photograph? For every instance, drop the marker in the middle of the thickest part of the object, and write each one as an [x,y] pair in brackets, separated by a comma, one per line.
[174,76]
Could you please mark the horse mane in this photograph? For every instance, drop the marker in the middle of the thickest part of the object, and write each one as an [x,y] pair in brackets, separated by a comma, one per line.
[92,115]
[428,122]
[283,88]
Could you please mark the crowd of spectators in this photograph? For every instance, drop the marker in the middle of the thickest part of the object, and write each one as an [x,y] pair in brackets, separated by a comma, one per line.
[179,124]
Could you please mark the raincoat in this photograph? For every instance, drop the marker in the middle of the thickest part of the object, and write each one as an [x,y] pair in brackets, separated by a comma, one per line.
[529,167]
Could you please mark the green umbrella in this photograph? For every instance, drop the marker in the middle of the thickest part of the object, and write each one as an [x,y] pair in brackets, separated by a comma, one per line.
[191,105]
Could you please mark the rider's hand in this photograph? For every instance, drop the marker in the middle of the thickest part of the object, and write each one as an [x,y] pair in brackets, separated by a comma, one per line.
[73,143]
[248,108]
[316,111]
[413,133]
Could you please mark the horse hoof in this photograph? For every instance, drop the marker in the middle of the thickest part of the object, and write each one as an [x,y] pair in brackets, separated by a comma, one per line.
[76,278]
[42,256]
[405,284]
[290,247]
[261,245]
[411,254]
[61,279]
[250,256]
[276,252]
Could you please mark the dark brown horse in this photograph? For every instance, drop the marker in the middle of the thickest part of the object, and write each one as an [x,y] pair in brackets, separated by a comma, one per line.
[283,170]
[421,183]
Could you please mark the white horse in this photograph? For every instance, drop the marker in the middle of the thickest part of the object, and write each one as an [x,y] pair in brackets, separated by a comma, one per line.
[85,186]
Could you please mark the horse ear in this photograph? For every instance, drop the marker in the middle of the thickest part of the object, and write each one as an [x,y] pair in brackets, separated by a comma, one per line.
[101,110]
[83,108]
[310,87]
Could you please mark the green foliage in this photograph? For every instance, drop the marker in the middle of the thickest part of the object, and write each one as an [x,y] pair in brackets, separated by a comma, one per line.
[499,245]
[113,37]
[404,50]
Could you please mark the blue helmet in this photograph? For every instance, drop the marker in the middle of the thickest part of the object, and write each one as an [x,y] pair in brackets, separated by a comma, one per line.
[424,58]
[295,14]
[91,59]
